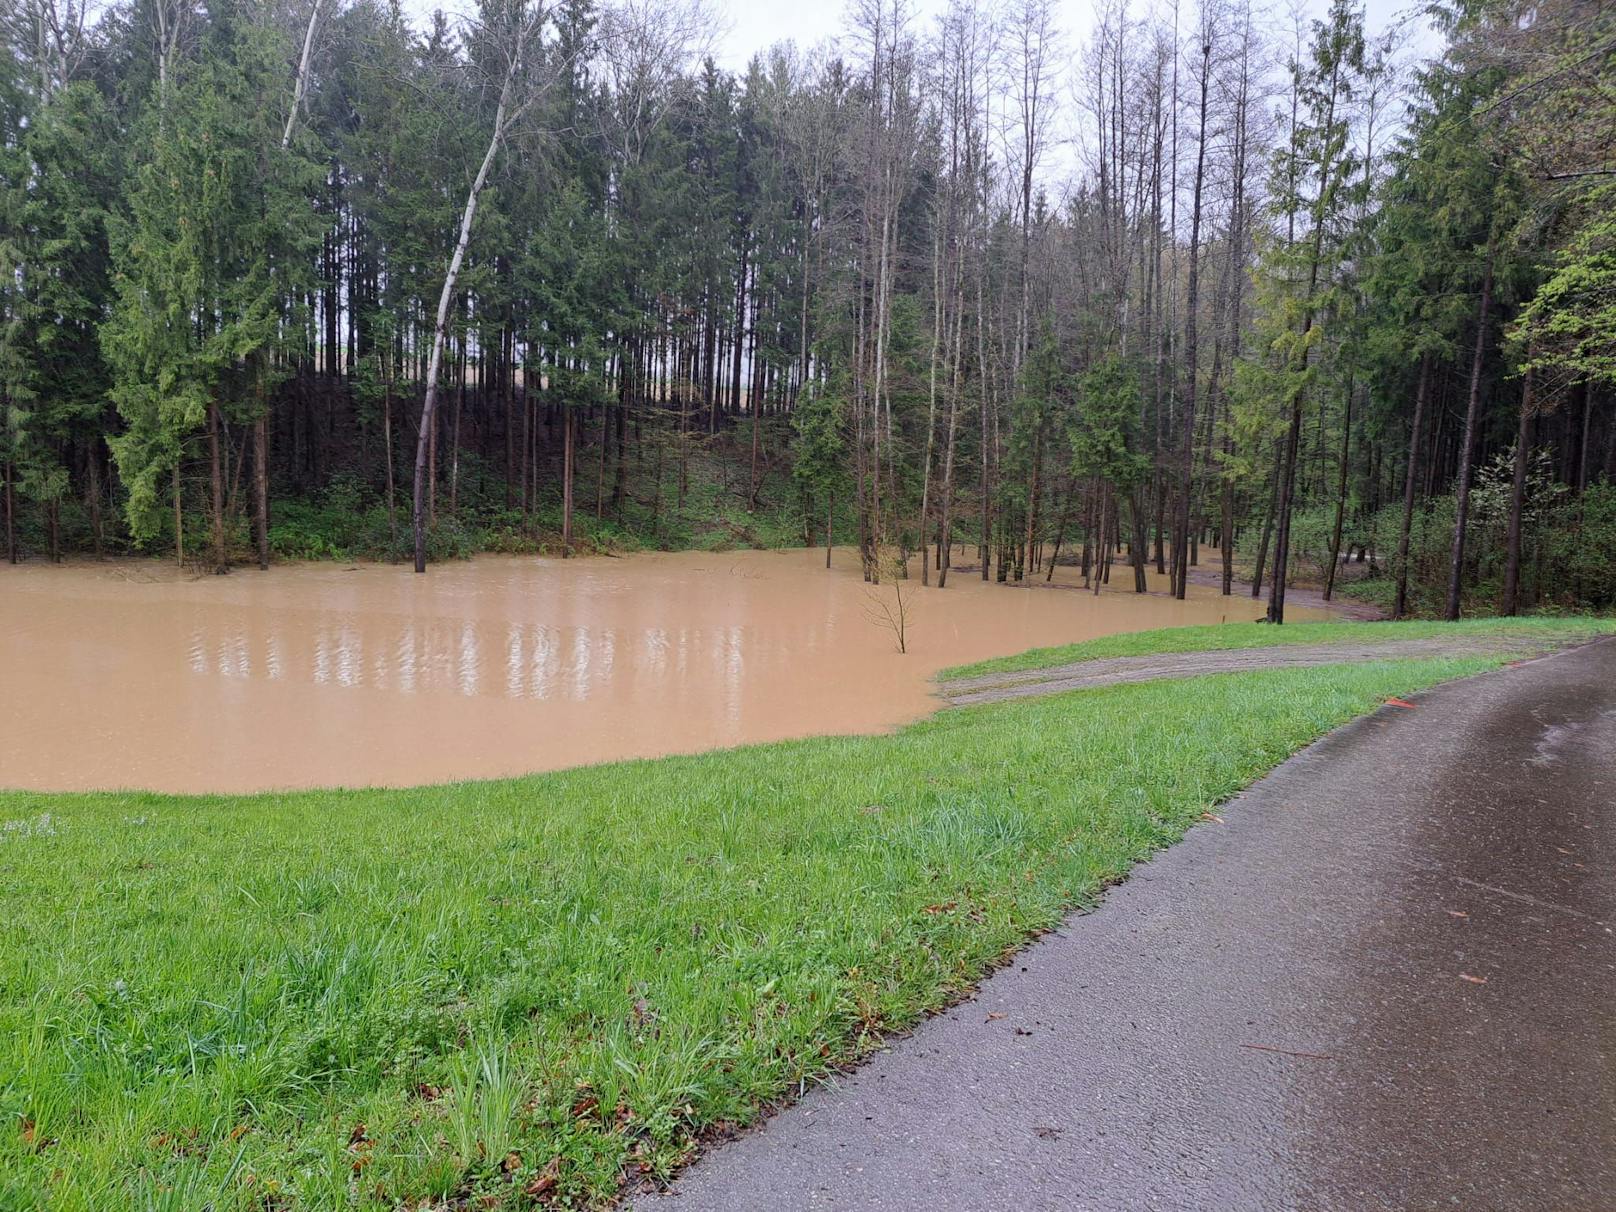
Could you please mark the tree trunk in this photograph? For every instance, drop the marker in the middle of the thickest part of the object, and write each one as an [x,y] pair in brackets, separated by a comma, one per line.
[454,437]
[1461,516]
[931,399]
[435,361]
[1267,530]
[1032,501]
[261,487]
[1161,515]
[1340,494]
[1582,446]
[1411,482]
[301,79]
[507,376]
[1517,497]
[1191,333]
[387,450]
[216,483]
[1060,533]
[1136,553]
[987,479]
[757,432]
[1226,537]
[11,512]
[1102,548]
[600,466]
[568,426]
[1287,497]
[179,518]
[620,470]
[92,470]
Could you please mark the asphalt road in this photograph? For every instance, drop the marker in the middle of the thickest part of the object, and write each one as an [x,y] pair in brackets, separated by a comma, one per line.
[1387,981]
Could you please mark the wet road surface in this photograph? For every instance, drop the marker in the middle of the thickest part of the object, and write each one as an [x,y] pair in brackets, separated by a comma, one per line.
[1387,981]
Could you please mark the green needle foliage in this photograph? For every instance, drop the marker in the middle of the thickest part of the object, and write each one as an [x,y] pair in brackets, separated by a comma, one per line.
[225,266]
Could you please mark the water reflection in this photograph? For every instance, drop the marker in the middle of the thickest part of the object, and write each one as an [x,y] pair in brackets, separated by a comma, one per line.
[509,660]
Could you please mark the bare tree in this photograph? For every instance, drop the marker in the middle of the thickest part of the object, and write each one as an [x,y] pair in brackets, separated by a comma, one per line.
[514,29]
[300,81]
[1186,487]
[890,135]
[51,34]
[647,46]
[884,602]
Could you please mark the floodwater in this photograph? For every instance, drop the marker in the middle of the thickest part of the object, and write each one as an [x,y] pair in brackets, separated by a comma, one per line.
[130,675]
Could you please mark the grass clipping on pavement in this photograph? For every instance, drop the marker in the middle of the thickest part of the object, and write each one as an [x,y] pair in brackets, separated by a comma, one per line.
[530,992]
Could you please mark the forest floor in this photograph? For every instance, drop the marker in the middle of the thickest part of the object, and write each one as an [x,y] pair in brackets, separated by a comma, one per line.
[525,992]
[1380,978]
[1340,602]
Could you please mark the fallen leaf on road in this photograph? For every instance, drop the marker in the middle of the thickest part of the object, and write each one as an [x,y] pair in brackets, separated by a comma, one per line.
[994,1016]
[1399,703]
[1474,980]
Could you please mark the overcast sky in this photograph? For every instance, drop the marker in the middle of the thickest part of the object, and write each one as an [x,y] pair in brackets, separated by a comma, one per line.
[754,26]
[749,26]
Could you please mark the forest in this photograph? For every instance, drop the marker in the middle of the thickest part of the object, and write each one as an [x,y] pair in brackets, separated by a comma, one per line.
[303,278]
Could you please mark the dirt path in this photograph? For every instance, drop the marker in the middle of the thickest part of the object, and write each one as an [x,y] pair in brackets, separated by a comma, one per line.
[1295,595]
[1382,978]
[1085,675]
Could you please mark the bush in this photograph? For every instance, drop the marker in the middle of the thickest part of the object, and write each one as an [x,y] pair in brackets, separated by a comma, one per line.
[1568,546]
[1579,547]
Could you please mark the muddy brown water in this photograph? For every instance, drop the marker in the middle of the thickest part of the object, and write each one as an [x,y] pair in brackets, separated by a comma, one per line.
[129,675]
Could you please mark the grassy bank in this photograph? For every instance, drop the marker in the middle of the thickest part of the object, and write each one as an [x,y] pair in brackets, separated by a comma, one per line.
[534,990]
[1220,637]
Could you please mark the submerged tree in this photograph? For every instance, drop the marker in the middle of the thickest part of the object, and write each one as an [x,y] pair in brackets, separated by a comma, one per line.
[574,279]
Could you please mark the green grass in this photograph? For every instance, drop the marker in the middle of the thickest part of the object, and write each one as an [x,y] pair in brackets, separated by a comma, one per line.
[1217,637]
[335,1000]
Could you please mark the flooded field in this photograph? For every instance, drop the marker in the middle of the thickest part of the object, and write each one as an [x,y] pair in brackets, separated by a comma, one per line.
[126,674]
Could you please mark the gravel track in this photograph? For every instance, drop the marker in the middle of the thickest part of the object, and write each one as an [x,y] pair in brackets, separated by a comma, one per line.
[1111,671]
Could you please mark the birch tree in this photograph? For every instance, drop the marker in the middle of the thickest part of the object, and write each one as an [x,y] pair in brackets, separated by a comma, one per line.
[513,31]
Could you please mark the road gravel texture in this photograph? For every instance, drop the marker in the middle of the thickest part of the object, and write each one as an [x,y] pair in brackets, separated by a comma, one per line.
[1111,671]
